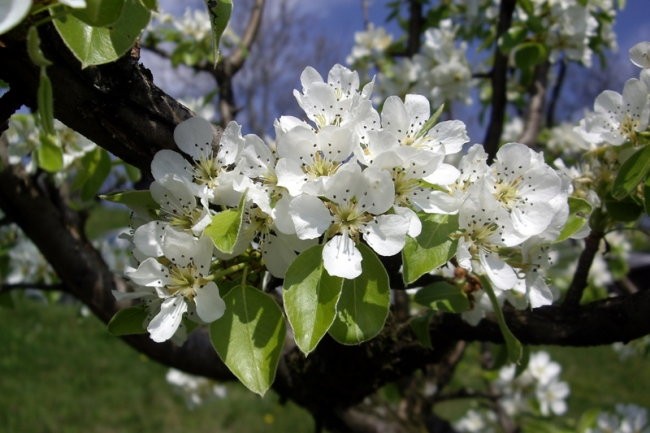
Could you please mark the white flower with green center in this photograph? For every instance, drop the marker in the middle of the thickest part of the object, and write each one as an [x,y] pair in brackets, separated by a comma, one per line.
[617,118]
[308,158]
[355,207]
[183,281]
[336,101]
[480,239]
[209,174]
[531,192]
[178,211]
[409,122]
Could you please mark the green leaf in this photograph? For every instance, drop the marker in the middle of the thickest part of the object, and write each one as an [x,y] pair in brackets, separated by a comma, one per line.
[45,101]
[99,13]
[579,212]
[625,210]
[249,337]
[442,296]
[225,228]
[103,220]
[139,202]
[513,346]
[128,321]
[310,296]
[529,54]
[513,37]
[432,248]
[34,48]
[219,11]
[363,306]
[49,154]
[420,327]
[99,45]
[96,168]
[587,420]
[632,172]
[152,5]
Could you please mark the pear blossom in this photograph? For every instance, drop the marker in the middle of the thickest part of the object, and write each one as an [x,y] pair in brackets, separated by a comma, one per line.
[529,190]
[178,210]
[335,102]
[208,175]
[370,42]
[355,208]
[619,118]
[181,279]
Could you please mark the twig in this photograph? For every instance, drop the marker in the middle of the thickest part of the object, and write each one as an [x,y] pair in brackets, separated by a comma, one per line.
[4,288]
[555,93]
[499,78]
[579,283]
[535,112]
[416,20]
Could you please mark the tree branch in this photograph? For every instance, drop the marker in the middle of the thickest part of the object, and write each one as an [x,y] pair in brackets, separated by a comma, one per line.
[555,93]
[534,118]
[579,282]
[116,105]
[499,78]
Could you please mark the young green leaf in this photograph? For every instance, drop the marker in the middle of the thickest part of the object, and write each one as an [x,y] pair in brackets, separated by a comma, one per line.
[529,54]
[632,172]
[128,321]
[432,248]
[34,48]
[579,212]
[139,202]
[310,295]
[49,154]
[97,167]
[45,100]
[219,11]
[225,228]
[363,306]
[249,337]
[442,296]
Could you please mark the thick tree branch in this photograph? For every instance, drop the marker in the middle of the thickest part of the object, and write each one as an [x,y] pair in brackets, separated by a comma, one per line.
[117,105]
[499,78]
[416,22]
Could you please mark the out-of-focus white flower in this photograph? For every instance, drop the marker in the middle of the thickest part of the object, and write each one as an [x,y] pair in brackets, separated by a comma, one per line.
[368,43]
[640,54]
[195,389]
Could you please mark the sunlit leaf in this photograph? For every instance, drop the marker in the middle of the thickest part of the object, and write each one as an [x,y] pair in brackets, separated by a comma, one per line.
[310,295]
[363,306]
[514,347]
[49,154]
[99,45]
[224,229]
[632,172]
[219,11]
[579,211]
[249,337]
[432,248]
[99,13]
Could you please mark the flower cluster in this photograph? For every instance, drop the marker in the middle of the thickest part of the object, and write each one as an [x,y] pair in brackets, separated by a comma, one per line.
[196,390]
[440,70]
[628,418]
[537,390]
[347,175]
[621,118]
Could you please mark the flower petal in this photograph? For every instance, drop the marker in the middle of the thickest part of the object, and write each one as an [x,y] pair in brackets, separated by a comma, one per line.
[164,324]
[209,305]
[341,258]
[194,137]
[310,216]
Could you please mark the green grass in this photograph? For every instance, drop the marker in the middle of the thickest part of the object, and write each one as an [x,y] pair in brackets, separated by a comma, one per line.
[63,373]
